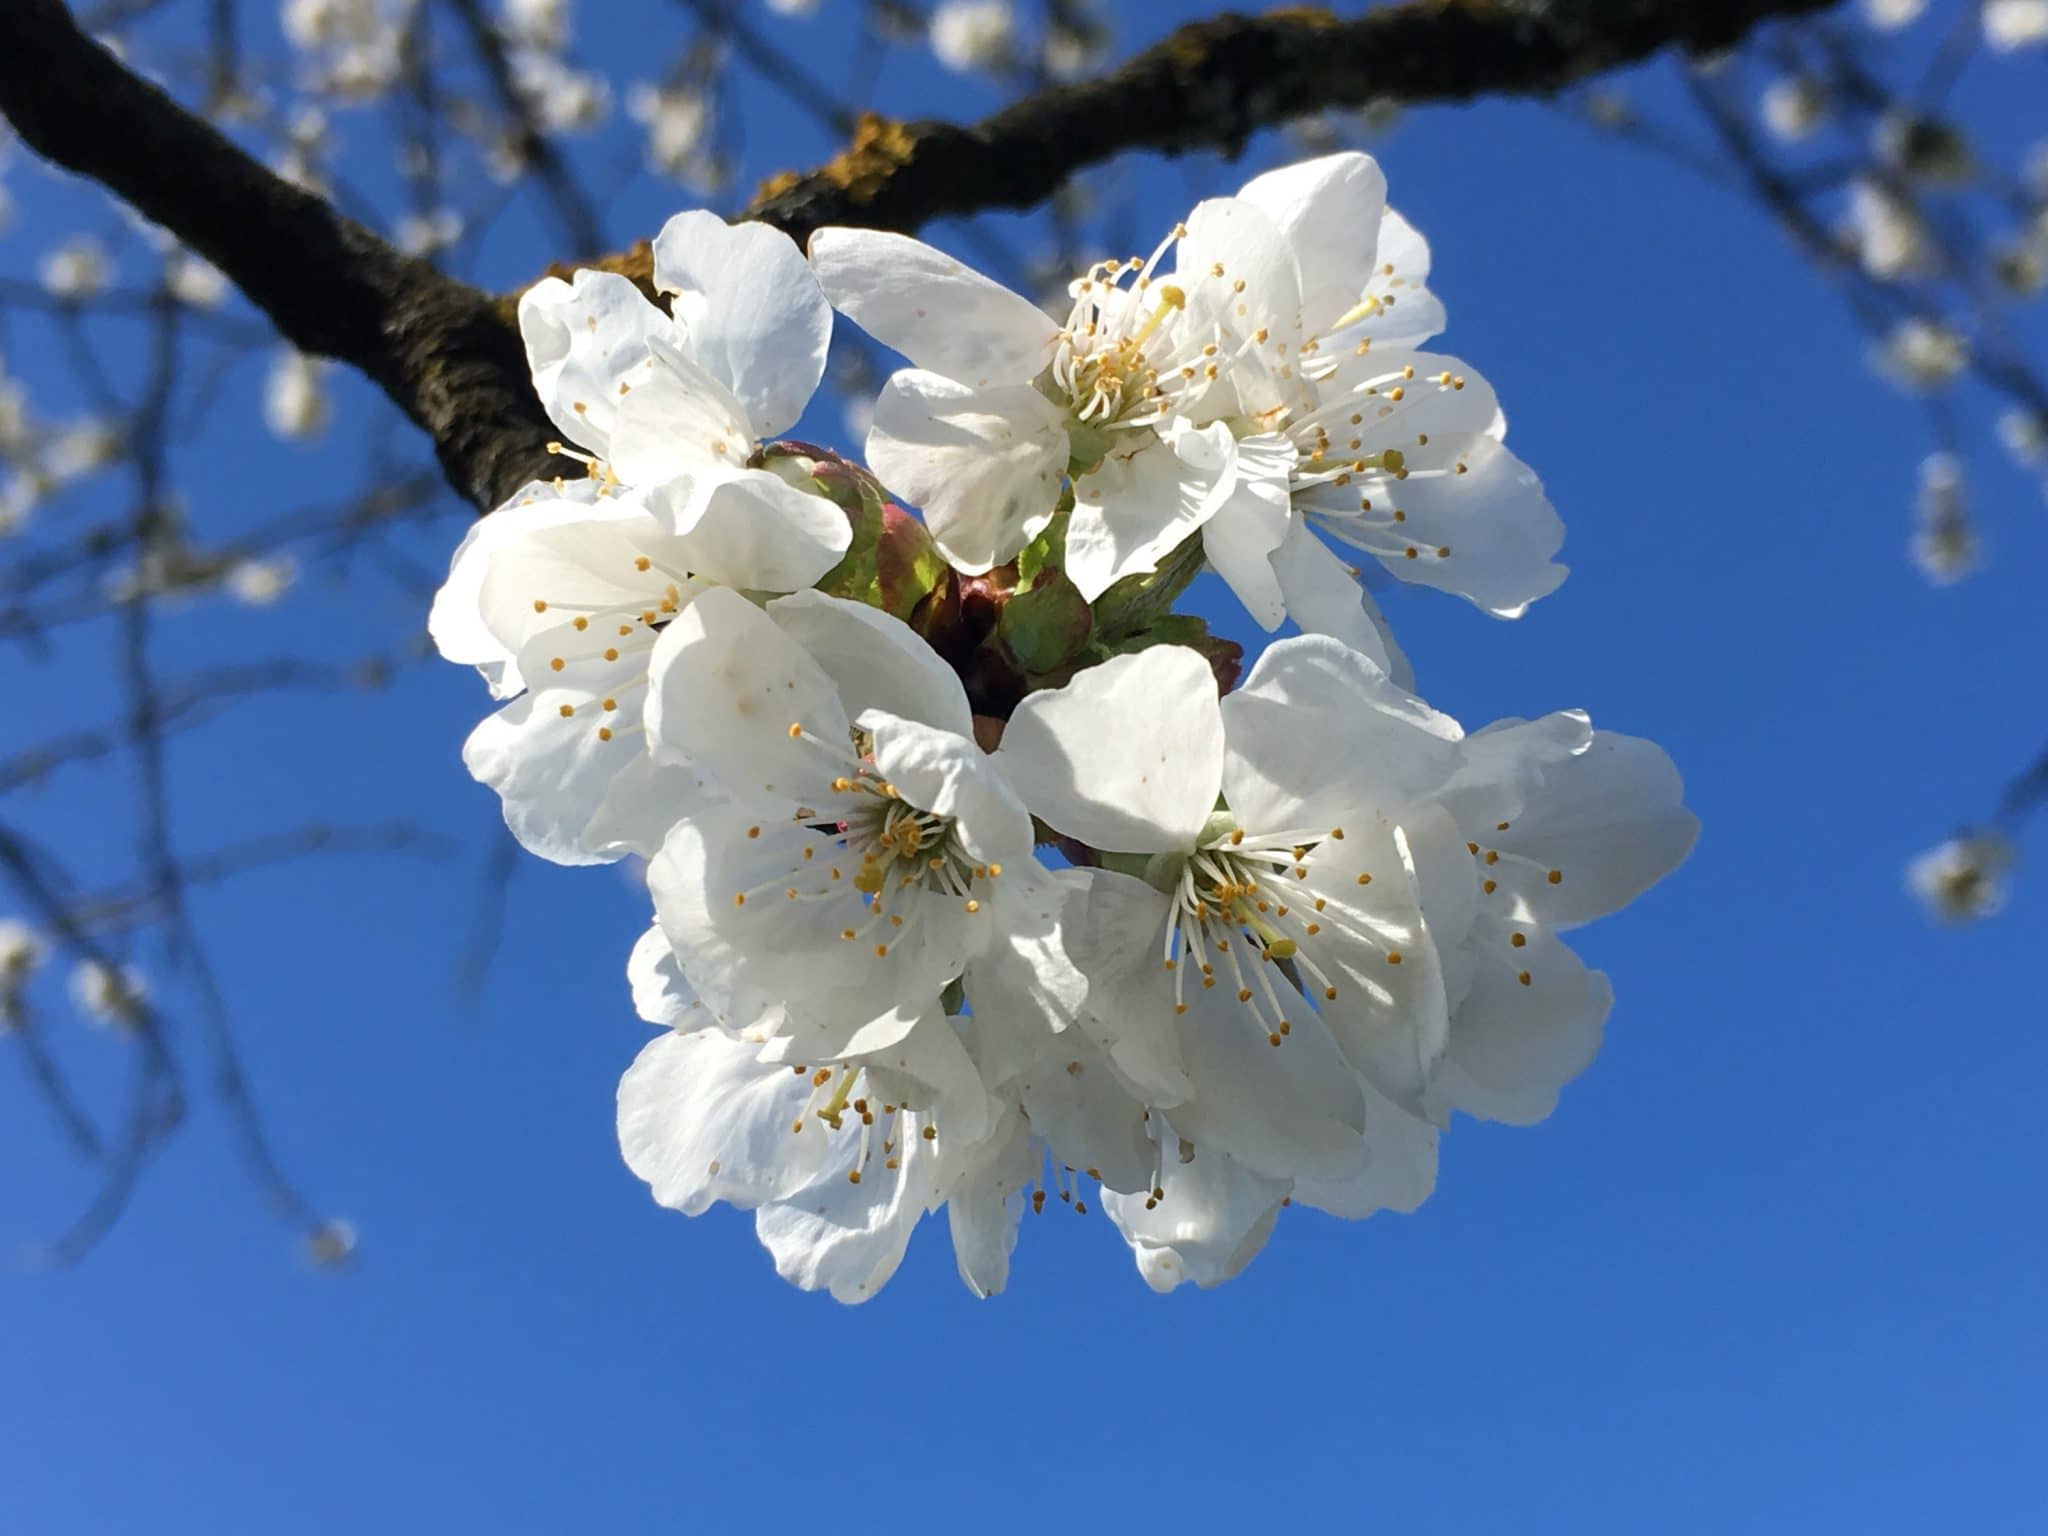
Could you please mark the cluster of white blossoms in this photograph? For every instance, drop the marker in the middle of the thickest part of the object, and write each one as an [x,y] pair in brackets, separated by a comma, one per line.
[978,877]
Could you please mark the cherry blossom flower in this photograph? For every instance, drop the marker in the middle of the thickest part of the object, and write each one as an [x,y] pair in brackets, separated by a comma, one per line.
[1388,929]
[565,596]
[1964,878]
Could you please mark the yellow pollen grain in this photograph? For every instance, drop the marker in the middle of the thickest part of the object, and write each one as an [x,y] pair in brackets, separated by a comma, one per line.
[581,623]
[1523,978]
[568,710]
[604,733]
[611,653]
[1555,877]
[1394,957]
[1518,939]
[556,663]
[931,1133]
[540,605]
[643,563]
[1362,880]
[1489,887]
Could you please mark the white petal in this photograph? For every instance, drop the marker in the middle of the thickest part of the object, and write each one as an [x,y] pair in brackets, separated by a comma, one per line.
[771,953]
[846,1238]
[467,629]
[1317,732]
[1147,495]
[1215,1217]
[985,464]
[1289,1110]
[949,775]
[939,313]
[1128,757]
[1513,1047]
[662,994]
[1244,241]
[556,775]
[724,687]
[756,319]
[1609,820]
[581,338]
[703,1119]
[1408,314]
[1390,1019]
[1330,210]
[984,1212]
[754,530]
[877,661]
[1241,539]
[1500,528]
[1113,927]
[676,419]
[1323,596]
[1400,1169]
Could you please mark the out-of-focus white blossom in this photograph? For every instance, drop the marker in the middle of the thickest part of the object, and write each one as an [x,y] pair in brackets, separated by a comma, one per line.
[1886,232]
[1921,355]
[331,1244]
[109,996]
[295,398]
[1890,15]
[259,583]
[348,47]
[2011,24]
[1794,106]
[2024,435]
[1071,51]
[970,35]
[1964,878]
[194,280]
[79,449]
[22,953]
[562,99]
[77,270]
[1944,546]
[537,23]
[677,119]
[428,234]
[793,7]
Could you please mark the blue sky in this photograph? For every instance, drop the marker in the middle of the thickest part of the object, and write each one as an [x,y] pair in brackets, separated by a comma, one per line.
[1776,1264]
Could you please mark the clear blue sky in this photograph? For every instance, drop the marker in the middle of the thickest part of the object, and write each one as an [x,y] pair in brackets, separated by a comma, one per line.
[1777,1263]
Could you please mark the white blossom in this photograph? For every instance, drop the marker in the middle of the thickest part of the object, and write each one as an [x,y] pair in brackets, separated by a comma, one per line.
[542,24]
[677,120]
[1891,15]
[193,280]
[562,99]
[296,404]
[1944,545]
[1794,106]
[1921,355]
[108,996]
[568,597]
[2014,24]
[260,583]
[1326,867]
[1886,231]
[1964,878]
[331,1245]
[22,953]
[2024,435]
[969,35]
[429,233]
[77,270]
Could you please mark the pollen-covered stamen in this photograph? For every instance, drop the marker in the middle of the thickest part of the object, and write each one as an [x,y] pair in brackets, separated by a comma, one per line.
[610,642]
[891,857]
[1241,898]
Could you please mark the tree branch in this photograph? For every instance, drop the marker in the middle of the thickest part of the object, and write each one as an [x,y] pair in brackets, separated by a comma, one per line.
[447,353]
